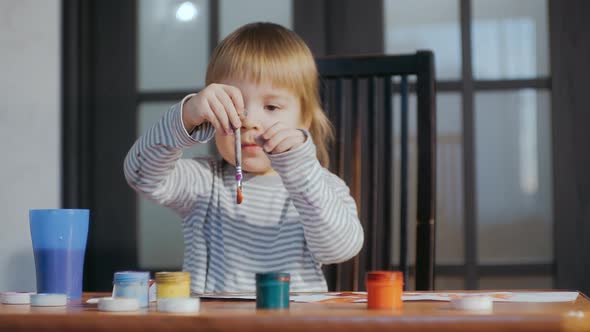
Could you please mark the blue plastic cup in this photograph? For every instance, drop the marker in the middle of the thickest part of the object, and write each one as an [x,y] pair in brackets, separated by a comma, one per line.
[59,243]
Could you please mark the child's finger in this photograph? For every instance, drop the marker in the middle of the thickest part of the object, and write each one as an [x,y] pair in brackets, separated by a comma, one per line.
[207,113]
[259,140]
[295,138]
[236,96]
[272,143]
[286,144]
[273,130]
[220,114]
[230,109]
[210,116]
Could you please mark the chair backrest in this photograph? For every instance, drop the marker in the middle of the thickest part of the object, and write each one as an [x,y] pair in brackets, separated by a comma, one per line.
[357,94]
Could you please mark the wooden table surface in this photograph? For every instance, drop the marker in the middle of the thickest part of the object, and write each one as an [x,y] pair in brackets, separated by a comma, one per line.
[242,316]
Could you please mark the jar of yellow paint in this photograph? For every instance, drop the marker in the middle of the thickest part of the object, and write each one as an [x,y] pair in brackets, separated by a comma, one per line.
[173,284]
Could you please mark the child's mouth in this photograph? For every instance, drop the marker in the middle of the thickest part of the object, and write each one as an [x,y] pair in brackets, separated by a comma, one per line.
[250,146]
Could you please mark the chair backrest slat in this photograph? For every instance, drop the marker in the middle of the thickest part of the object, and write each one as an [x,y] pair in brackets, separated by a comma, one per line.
[388,171]
[403,211]
[365,174]
[377,203]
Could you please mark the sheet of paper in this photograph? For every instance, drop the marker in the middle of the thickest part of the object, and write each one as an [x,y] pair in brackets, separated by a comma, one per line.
[228,296]
[337,297]
[343,297]
[496,296]
[360,297]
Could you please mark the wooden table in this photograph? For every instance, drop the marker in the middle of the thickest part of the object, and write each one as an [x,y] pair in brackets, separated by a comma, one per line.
[242,316]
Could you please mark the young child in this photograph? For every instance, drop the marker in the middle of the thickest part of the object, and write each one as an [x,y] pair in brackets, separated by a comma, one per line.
[295,214]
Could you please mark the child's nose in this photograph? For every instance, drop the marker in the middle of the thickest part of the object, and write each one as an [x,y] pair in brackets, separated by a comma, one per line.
[248,122]
[252,119]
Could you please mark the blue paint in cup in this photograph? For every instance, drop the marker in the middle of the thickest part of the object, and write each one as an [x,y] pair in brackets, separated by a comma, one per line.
[59,243]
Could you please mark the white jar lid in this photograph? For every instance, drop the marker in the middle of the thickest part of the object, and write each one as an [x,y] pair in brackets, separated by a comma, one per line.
[473,303]
[49,300]
[15,297]
[179,305]
[115,304]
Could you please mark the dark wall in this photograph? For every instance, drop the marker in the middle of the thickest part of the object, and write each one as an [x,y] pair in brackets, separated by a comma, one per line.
[570,67]
[99,102]
[343,27]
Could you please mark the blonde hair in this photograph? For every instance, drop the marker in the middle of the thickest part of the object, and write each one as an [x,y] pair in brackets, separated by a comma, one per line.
[267,52]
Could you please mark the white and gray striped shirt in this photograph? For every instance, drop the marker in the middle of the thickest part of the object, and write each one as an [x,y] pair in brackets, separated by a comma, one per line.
[292,222]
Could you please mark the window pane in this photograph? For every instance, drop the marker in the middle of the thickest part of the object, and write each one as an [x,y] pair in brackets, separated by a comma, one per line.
[513,167]
[449,283]
[235,13]
[173,44]
[441,283]
[160,230]
[509,282]
[510,39]
[449,205]
[426,24]
[449,181]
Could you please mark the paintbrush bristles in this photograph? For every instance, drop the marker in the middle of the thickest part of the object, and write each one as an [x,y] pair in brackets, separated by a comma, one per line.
[239,196]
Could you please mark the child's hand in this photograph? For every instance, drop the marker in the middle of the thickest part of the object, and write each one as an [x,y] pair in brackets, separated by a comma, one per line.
[278,139]
[219,104]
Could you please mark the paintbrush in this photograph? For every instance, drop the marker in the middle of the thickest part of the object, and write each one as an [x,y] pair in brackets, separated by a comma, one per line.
[239,175]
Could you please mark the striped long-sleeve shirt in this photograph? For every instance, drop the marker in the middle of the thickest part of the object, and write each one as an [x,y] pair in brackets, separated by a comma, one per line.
[291,222]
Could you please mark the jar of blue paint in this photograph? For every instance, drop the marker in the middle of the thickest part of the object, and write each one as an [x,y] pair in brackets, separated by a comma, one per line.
[132,284]
[272,290]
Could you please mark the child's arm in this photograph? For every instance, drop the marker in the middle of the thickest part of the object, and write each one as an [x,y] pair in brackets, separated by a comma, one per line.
[153,166]
[330,221]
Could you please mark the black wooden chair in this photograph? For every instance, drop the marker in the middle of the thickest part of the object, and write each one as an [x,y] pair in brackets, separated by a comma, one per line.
[357,94]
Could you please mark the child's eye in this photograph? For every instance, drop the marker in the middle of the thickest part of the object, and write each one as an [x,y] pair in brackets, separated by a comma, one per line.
[271,107]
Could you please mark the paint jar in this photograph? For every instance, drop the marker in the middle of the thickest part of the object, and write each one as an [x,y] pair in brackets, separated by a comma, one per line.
[173,284]
[384,289]
[272,290]
[132,284]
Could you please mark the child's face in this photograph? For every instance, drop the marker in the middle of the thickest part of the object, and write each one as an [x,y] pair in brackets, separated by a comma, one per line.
[265,105]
